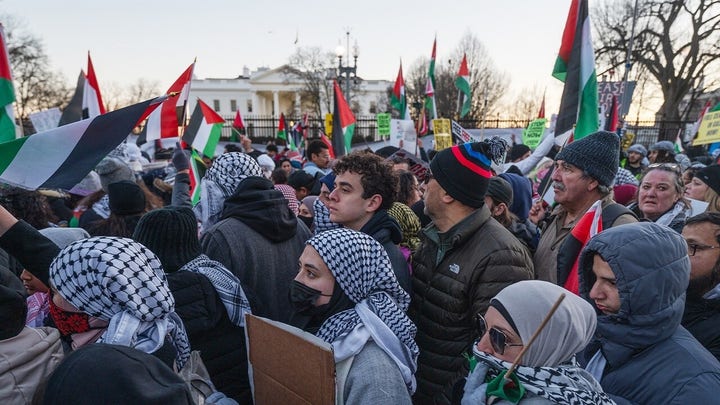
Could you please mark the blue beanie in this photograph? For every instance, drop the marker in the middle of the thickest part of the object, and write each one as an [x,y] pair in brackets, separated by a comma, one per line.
[522,194]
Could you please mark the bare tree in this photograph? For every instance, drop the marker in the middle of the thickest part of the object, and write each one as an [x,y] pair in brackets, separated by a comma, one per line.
[677,42]
[315,67]
[143,89]
[524,106]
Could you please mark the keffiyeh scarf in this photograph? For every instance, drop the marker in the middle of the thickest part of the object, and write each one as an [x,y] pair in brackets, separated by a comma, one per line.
[220,182]
[226,284]
[322,218]
[122,282]
[566,384]
[362,269]
[289,194]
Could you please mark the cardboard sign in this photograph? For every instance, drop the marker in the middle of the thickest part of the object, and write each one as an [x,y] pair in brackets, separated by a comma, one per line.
[534,131]
[288,365]
[709,131]
[328,124]
[383,124]
[403,135]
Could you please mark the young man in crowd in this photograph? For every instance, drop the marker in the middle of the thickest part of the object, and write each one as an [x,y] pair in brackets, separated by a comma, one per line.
[318,156]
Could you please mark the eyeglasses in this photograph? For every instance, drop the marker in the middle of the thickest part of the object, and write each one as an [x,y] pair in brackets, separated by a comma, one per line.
[674,167]
[428,176]
[498,338]
[694,247]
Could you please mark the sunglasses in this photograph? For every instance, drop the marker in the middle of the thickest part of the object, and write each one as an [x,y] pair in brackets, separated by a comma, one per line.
[674,167]
[498,338]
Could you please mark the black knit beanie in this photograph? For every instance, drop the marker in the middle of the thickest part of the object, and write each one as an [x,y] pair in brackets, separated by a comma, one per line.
[711,176]
[517,151]
[126,198]
[172,234]
[500,190]
[463,171]
[102,373]
[598,154]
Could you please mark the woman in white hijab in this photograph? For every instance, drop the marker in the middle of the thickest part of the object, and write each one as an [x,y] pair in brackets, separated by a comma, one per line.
[547,371]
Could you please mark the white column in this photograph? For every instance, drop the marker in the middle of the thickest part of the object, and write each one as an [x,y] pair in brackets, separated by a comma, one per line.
[298,105]
[276,103]
[255,102]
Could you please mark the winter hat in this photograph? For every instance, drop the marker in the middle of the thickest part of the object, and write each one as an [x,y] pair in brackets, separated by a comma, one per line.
[64,236]
[598,154]
[624,194]
[172,234]
[329,181]
[112,170]
[266,164]
[637,148]
[13,311]
[88,185]
[126,198]
[134,378]
[464,170]
[122,282]
[522,194]
[683,160]
[499,189]
[711,176]
[517,151]
[663,145]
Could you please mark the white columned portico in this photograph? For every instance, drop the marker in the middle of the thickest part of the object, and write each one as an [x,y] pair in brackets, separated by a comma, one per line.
[276,103]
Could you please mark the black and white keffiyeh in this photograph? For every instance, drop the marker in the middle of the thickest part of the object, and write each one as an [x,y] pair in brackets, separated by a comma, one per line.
[362,269]
[322,218]
[220,182]
[226,284]
[122,282]
[565,384]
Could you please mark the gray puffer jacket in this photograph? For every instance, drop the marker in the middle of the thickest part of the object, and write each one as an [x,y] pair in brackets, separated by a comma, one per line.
[651,359]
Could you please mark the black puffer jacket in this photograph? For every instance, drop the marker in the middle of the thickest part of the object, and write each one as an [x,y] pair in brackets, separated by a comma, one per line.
[221,344]
[702,319]
[479,258]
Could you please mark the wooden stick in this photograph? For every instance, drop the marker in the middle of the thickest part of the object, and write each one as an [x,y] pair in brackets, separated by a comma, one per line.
[534,336]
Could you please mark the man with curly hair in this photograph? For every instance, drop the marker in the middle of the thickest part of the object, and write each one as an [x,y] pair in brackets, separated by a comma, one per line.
[365,187]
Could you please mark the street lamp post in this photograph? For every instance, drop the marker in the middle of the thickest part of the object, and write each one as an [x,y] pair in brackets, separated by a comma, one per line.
[347,71]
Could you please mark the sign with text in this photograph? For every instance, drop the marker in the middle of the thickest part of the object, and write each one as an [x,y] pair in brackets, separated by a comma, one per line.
[416,165]
[441,126]
[45,120]
[383,124]
[606,91]
[403,134]
[709,131]
[328,124]
[532,134]
[442,141]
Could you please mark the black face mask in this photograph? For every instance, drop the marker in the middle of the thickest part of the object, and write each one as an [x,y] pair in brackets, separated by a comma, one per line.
[303,297]
[306,220]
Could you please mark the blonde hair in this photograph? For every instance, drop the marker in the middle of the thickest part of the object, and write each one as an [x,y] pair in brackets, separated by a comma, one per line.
[713,200]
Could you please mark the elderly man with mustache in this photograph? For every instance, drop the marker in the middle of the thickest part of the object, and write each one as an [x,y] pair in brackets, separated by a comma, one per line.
[584,173]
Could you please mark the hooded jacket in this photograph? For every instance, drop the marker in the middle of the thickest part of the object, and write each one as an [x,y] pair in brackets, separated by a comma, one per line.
[702,319]
[651,359]
[384,229]
[259,240]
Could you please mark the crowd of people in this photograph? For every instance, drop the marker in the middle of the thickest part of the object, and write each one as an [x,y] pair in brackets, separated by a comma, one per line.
[458,276]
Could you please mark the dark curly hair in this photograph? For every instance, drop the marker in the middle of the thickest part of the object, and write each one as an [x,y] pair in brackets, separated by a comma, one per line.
[28,205]
[376,175]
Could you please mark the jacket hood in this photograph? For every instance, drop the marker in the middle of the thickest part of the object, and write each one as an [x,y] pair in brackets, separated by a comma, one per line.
[652,269]
[258,205]
[383,228]
[522,194]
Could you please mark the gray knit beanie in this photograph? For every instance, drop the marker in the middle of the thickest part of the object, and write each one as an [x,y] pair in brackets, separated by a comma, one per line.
[112,170]
[597,154]
[663,145]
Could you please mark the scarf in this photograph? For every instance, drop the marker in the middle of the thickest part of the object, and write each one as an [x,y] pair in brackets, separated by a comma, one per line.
[220,182]
[121,282]
[564,384]
[409,225]
[677,213]
[362,269]
[322,218]
[289,194]
[226,284]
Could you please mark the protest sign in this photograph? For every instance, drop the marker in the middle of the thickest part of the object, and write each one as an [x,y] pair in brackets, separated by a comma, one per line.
[45,120]
[709,131]
[403,130]
[534,131]
[383,124]
[417,165]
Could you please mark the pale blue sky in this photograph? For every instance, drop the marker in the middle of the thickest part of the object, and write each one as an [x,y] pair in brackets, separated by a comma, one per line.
[156,40]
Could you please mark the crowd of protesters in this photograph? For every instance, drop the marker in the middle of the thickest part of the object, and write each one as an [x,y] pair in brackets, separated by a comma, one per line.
[431,276]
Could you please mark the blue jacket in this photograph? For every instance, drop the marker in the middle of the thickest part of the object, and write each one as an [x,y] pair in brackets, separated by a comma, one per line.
[651,359]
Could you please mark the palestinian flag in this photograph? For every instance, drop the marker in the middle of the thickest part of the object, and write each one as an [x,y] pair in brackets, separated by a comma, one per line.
[164,121]
[92,100]
[462,82]
[237,127]
[398,99]
[430,87]
[204,130]
[422,124]
[282,133]
[327,143]
[575,66]
[195,162]
[343,123]
[541,113]
[589,225]
[73,112]
[61,157]
[611,122]
[8,129]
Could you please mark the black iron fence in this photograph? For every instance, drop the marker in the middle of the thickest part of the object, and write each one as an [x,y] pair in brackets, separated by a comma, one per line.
[264,128]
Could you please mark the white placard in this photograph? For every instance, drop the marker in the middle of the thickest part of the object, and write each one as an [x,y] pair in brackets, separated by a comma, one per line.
[45,120]
[403,130]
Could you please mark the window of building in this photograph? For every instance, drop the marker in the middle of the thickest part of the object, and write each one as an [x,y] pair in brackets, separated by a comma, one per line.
[233,105]
[249,106]
[216,105]
[373,107]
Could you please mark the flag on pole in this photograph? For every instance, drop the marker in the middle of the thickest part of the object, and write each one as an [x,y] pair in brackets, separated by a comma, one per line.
[398,98]
[678,142]
[282,133]
[462,82]
[611,122]
[327,143]
[195,160]
[92,99]
[237,126]
[575,66]
[164,121]
[343,123]
[589,225]
[204,129]
[73,112]
[541,113]
[61,157]
[8,128]
[430,87]
[422,124]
